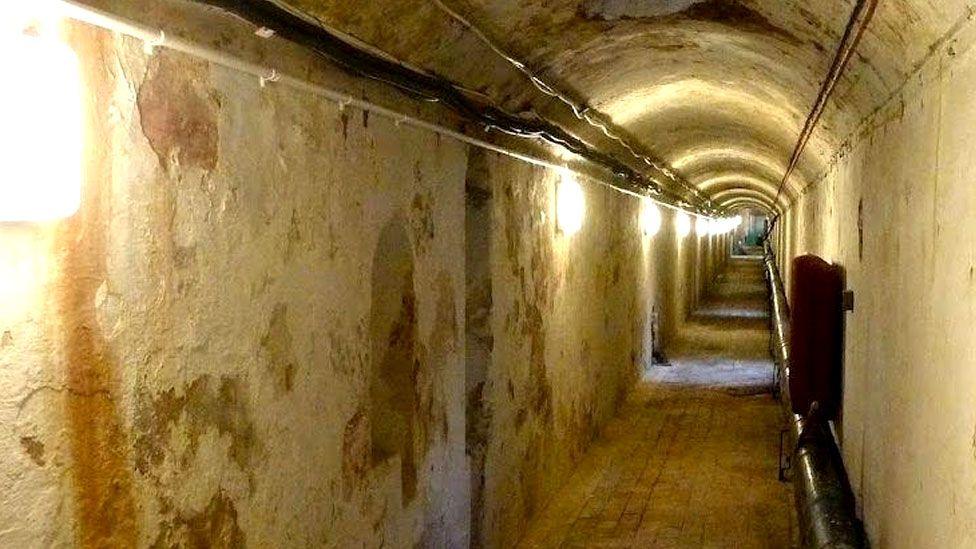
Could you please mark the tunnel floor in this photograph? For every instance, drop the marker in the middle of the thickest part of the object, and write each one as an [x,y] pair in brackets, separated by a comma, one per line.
[691,460]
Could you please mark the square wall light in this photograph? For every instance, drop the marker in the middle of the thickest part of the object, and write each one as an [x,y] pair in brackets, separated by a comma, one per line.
[41,136]
[570,205]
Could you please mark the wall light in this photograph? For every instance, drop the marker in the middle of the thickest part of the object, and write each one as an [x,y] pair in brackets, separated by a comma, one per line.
[650,218]
[570,205]
[40,105]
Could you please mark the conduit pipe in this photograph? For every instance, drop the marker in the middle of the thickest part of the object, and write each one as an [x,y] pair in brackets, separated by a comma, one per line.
[156,38]
[856,26]
[821,490]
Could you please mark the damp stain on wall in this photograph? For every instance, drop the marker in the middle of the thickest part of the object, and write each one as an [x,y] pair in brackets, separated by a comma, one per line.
[396,366]
[205,404]
[34,448]
[277,349]
[213,527]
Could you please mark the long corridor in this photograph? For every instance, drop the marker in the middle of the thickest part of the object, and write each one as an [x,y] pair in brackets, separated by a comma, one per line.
[476,274]
[691,460]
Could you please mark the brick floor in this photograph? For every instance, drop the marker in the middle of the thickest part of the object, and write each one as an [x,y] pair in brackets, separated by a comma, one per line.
[691,460]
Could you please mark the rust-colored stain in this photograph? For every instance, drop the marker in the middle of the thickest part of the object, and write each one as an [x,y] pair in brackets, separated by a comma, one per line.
[213,527]
[277,347]
[355,453]
[178,114]
[100,467]
[295,240]
[102,481]
[344,123]
[974,443]
[34,448]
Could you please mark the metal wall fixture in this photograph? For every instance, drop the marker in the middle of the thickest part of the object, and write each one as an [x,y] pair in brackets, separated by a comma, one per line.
[821,489]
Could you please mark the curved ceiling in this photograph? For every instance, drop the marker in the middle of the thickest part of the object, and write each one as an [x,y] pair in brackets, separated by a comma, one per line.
[719,89]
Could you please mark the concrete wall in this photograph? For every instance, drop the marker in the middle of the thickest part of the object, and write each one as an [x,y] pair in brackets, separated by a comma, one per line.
[897,211]
[569,314]
[253,332]
[196,358]
[573,320]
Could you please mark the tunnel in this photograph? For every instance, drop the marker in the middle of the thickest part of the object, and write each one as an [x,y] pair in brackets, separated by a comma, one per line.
[487,273]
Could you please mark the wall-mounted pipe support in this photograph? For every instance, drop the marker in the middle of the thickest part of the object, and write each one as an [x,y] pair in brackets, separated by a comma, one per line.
[821,489]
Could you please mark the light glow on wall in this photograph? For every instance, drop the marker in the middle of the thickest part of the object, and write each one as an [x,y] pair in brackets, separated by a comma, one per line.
[25,269]
[650,218]
[570,205]
[702,226]
[41,138]
[682,223]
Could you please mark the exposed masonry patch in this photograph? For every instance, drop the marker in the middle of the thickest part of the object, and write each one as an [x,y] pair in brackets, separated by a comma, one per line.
[727,12]
[634,9]
[179,115]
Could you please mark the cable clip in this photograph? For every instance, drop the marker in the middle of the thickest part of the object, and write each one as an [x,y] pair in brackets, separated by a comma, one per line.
[273,77]
[265,32]
[149,46]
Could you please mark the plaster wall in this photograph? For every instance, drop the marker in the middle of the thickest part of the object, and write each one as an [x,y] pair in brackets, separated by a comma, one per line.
[203,355]
[573,319]
[568,319]
[189,360]
[896,211]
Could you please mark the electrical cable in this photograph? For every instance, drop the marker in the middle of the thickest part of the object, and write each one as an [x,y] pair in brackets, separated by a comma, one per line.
[301,31]
[580,109]
[856,26]
[154,38]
